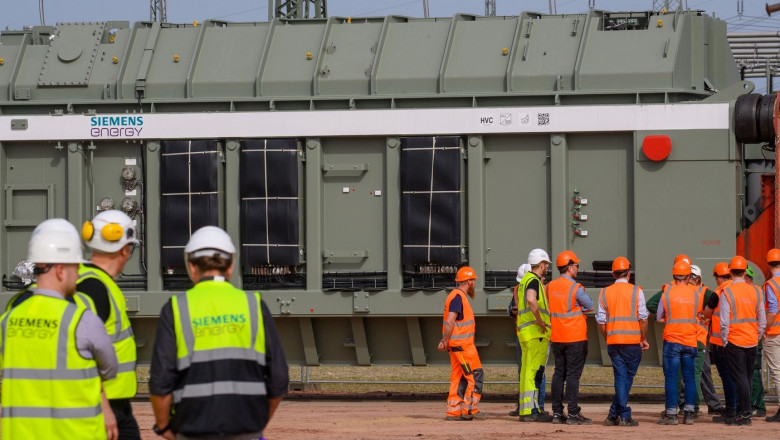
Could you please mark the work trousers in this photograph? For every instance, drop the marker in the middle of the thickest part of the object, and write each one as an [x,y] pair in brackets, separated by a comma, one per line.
[534,358]
[625,361]
[772,353]
[757,387]
[542,384]
[719,357]
[740,361]
[466,378]
[707,387]
[125,421]
[676,358]
[569,363]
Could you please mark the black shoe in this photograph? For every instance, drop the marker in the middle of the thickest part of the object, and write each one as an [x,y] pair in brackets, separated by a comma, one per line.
[758,413]
[717,411]
[774,418]
[728,413]
[743,420]
[612,421]
[537,417]
[668,419]
[578,419]
[558,419]
[515,412]
[629,422]
[688,418]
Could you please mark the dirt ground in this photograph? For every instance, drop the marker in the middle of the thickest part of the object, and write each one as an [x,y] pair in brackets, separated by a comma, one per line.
[381,419]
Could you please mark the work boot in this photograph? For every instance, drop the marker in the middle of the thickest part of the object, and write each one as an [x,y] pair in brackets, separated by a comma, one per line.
[744,420]
[515,412]
[668,419]
[558,419]
[611,421]
[578,419]
[728,413]
[717,411]
[629,422]
[774,418]
[453,419]
[688,418]
[758,413]
[479,416]
[537,417]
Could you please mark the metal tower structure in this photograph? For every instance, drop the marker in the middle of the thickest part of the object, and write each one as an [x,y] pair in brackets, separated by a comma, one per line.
[490,8]
[297,9]
[158,10]
[669,5]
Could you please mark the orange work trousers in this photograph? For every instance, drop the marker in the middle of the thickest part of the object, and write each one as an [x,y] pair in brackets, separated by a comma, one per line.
[466,380]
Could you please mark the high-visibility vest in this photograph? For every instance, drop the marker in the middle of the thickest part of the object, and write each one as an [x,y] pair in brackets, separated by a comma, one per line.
[702,328]
[125,385]
[566,318]
[220,354]
[463,332]
[773,328]
[715,338]
[49,390]
[620,302]
[526,321]
[745,301]
[681,304]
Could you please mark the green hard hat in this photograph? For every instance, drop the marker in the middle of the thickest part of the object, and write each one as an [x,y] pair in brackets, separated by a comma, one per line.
[749,272]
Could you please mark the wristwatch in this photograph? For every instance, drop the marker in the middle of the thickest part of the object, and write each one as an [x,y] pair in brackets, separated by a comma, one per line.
[160,431]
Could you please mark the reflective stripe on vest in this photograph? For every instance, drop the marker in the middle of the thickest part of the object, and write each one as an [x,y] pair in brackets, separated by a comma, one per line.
[526,320]
[622,325]
[566,319]
[48,390]
[681,319]
[773,328]
[463,330]
[125,384]
[743,322]
[215,388]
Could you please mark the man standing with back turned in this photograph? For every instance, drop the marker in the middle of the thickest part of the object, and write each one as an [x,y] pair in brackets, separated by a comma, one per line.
[457,337]
[218,369]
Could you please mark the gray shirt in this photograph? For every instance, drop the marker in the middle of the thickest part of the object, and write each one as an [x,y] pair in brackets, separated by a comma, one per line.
[582,298]
[725,317]
[601,314]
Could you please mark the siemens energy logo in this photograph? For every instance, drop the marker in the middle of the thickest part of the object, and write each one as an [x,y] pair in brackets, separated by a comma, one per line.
[116,126]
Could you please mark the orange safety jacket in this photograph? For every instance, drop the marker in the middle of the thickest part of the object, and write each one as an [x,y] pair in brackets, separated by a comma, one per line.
[681,304]
[619,301]
[773,328]
[702,329]
[566,318]
[463,332]
[744,300]
[715,338]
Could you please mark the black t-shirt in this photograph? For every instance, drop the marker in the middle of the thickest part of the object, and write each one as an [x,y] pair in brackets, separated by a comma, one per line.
[95,289]
[533,285]
[714,300]
[456,306]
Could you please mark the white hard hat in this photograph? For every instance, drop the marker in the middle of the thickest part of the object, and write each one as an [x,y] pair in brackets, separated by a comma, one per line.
[521,271]
[207,241]
[55,247]
[696,270]
[109,231]
[55,224]
[536,256]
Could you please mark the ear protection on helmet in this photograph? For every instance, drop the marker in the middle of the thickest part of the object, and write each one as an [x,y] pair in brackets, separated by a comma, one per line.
[87,231]
[110,232]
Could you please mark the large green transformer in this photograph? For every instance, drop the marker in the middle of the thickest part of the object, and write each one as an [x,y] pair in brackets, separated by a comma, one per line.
[357,163]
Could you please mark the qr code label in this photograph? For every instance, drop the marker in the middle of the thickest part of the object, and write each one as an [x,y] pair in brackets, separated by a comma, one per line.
[543,119]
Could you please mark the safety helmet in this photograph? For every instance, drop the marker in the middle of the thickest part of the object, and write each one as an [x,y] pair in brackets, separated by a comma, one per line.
[773,256]
[536,256]
[620,263]
[738,263]
[721,270]
[207,241]
[109,231]
[55,246]
[55,224]
[681,268]
[522,270]
[682,257]
[749,272]
[695,270]
[465,273]
[565,257]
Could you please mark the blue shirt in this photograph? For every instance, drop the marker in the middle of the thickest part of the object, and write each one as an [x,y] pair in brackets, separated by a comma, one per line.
[771,299]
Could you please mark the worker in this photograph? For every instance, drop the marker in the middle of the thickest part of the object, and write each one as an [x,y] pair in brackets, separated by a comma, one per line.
[757,403]
[512,311]
[622,320]
[706,387]
[218,369]
[54,353]
[722,276]
[569,337]
[742,323]
[679,307]
[457,338]
[111,235]
[772,340]
[533,332]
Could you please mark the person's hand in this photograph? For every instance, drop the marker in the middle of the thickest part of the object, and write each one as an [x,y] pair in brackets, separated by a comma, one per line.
[645,345]
[541,325]
[700,315]
[169,435]
[442,345]
[112,431]
[514,312]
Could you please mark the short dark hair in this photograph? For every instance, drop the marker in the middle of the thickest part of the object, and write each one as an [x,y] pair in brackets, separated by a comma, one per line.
[214,262]
[738,273]
[620,273]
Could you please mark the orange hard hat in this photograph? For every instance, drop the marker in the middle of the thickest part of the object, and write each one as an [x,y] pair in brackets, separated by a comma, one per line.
[565,257]
[620,263]
[465,273]
[773,256]
[738,263]
[721,270]
[681,268]
[682,257]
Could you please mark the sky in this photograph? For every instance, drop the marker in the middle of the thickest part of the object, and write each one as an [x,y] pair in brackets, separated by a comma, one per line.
[14,14]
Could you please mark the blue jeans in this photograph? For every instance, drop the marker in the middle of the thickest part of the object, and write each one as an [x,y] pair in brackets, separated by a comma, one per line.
[729,387]
[540,385]
[625,361]
[675,355]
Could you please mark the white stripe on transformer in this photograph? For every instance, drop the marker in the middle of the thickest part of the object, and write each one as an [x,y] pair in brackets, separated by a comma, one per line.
[395,122]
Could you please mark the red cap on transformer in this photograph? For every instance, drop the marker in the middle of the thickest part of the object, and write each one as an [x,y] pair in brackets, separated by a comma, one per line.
[657,148]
